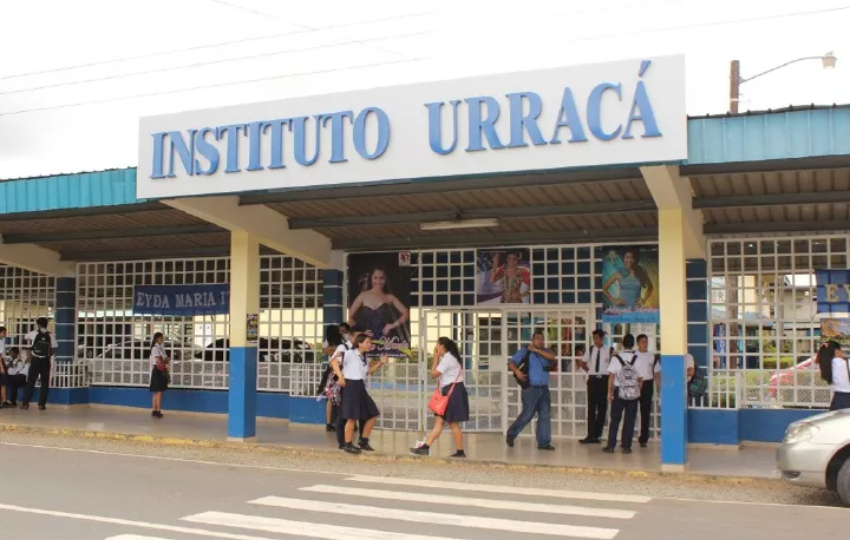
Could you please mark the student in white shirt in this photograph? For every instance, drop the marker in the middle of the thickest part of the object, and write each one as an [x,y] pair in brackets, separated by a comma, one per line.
[835,370]
[42,347]
[649,369]
[159,374]
[5,377]
[18,369]
[357,404]
[621,403]
[595,363]
[339,354]
[328,389]
[448,371]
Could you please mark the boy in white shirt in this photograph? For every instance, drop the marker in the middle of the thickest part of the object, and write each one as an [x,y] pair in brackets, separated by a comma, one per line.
[18,369]
[649,369]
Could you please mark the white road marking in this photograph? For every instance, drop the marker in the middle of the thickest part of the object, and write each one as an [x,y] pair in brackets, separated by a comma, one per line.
[415,516]
[504,490]
[301,528]
[134,537]
[517,506]
[131,523]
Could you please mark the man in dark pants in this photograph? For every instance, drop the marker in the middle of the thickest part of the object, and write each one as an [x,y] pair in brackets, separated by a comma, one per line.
[624,385]
[536,398]
[649,369]
[42,346]
[339,355]
[595,363]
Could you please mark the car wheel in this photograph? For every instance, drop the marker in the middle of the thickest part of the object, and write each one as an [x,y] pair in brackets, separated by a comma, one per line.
[842,483]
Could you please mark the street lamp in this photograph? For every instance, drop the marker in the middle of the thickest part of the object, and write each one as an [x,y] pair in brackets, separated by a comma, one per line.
[736,80]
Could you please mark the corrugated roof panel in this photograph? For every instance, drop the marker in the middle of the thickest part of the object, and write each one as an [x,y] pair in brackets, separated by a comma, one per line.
[141,244]
[773,136]
[759,183]
[85,190]
[136,220]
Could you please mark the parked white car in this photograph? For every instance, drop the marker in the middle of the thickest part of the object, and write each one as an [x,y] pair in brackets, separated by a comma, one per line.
[816,453]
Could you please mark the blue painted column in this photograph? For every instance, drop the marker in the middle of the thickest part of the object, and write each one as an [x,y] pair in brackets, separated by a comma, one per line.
[244,300]
[332,297]
[698,320]
[66,318]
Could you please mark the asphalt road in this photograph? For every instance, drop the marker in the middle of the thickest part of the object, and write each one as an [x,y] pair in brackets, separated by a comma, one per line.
[90,494]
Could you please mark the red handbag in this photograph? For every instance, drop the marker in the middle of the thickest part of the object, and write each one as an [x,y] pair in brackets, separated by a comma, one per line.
[438,402]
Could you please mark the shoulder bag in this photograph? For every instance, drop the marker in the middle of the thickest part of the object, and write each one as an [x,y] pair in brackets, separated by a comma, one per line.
[438,402]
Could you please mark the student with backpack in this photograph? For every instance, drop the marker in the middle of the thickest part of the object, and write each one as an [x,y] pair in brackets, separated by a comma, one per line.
[624,385]
[42,346]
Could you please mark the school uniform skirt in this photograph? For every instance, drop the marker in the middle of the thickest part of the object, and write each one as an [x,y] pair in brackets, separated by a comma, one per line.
[840,400]
[457,410]
[159,380]
[357,404]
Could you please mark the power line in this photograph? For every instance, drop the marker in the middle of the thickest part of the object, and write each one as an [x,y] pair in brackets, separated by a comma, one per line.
[203,64]
[208,86]
[297,25]
[589,38]
[213,46]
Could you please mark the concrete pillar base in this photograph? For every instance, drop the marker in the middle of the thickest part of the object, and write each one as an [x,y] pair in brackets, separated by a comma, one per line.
[668,468]
[242,439]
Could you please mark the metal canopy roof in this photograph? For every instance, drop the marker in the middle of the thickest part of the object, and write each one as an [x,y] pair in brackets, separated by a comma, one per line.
[591,206]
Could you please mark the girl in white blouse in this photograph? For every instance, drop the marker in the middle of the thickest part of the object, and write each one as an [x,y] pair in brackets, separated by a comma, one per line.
[448,371]
[159,374]
[835,370]
[357,404]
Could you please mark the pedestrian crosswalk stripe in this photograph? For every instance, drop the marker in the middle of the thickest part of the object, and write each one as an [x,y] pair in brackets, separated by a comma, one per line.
[301,528]
[518,506]
[506,490]
[135,537]
[524,527]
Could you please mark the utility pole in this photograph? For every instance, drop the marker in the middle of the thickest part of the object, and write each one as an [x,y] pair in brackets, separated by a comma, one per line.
[734,85]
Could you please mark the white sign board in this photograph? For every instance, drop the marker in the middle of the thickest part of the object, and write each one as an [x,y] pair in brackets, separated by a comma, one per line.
[626,112]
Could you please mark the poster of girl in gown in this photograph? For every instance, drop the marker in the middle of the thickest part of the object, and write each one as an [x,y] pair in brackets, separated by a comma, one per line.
[630,285]
[379,300]
[503,277]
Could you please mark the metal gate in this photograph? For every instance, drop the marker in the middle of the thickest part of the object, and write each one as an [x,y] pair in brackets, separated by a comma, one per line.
[486,339]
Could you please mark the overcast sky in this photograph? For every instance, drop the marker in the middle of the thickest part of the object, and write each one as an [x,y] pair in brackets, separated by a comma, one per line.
[60,120]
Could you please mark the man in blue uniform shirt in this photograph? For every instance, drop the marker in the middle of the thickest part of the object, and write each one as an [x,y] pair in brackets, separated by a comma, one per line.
[535,394]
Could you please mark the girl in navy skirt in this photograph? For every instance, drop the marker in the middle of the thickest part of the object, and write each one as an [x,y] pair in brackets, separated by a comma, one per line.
[835,370]
[357,405]
[448,371]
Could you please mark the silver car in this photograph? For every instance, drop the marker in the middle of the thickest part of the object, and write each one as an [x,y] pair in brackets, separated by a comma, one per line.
[816,453]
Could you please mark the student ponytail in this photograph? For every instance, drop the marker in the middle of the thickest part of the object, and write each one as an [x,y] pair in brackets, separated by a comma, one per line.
[824,359]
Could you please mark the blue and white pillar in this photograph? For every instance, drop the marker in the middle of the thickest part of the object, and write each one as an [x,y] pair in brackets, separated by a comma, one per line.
[244,301]
[66,318]
[332,308]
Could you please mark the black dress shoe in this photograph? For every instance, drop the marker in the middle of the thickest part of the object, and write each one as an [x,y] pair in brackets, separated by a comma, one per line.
[25,407]
[608,450]
[510,441]
[547,447]
[364,445]
[627,450]
[351,449]
[643,445]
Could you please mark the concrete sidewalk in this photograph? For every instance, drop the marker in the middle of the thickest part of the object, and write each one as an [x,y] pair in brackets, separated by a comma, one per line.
[749,462]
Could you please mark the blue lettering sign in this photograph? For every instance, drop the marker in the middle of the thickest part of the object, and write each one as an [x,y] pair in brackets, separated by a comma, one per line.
[181,300]
[530,122]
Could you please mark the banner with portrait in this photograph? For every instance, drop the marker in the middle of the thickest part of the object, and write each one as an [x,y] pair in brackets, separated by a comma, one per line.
[379,301]
[630,286]
[503,276]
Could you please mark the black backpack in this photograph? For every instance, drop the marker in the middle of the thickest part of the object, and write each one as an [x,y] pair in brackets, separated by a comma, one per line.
[523,368]
[41,345]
